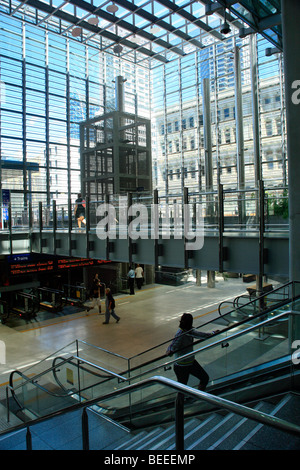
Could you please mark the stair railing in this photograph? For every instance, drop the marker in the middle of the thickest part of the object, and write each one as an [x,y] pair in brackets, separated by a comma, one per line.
[182,390]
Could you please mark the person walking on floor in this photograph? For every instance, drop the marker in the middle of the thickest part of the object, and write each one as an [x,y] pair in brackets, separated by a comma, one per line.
[139,276]
[110,307]
[181,345]
[95,293]
[131,276]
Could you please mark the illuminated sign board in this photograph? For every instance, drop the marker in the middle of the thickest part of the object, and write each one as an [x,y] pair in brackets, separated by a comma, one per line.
[25,264]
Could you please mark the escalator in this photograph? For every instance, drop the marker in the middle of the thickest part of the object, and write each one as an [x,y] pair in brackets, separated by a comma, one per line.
[25,305]
[249,358]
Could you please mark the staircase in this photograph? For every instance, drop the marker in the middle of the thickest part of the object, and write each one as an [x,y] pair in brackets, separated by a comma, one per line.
[217,431]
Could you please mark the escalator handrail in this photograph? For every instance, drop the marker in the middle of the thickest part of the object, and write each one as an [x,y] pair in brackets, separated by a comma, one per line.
[220,402]
[67,360]
[236,324]
[216,343]
[165,364]
[260,297]
[228,328]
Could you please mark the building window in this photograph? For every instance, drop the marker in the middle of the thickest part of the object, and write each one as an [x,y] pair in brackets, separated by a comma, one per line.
[269,128]
[176,126]
[162,129]
[169,127]
[193,171]
[191,121]
[269,159]
[227,136]
[226,113]
[183,123]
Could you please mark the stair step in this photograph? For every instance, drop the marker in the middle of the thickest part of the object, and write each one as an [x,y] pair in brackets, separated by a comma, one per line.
[166,437]
[217,429]
[268,438]
[239,431]
[169,440]
[200,427]
[132,438]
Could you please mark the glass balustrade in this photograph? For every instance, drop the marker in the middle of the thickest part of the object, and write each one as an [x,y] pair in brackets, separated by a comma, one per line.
[79,371]
[239,213]
[82,371]
[228,355]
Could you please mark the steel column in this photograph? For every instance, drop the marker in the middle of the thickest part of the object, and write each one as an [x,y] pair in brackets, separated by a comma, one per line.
[291,46]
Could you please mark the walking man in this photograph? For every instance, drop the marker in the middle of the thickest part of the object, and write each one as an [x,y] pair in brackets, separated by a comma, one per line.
[110,307]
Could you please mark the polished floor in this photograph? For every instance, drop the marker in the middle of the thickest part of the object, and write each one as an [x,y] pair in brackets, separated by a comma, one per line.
[148,318]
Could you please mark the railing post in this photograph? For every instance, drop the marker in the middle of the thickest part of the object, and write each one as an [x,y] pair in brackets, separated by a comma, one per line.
[85,430]
[186,221]
[87,225]
[259,279]
[30,223]
[129,219]
[7,404]
[54,224]
[40,223]
[28,439]
[179,422]
[10,227]
[70,215]
[221,226]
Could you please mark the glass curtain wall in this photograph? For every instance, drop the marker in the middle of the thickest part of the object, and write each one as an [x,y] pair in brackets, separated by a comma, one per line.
[49,84]
[179,158]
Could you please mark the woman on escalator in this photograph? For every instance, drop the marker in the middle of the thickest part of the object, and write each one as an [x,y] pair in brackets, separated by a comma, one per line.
[181,345]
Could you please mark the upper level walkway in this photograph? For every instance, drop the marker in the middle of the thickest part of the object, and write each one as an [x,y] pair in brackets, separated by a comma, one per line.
[235,231]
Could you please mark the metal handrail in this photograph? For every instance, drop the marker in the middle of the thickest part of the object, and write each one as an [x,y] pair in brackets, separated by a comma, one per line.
[219,342]
[182,390]
[166,364]
[102,349]
[33,380]
[290,283]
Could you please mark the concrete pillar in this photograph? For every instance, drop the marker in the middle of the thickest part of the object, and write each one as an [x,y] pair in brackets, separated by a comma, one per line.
[211,276]
[291,46]
[198,277]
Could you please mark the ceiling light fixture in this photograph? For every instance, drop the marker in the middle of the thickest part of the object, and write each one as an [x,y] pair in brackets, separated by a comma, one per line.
[76,31]
[225,28]
[112,8]
[118,49]
[93,20]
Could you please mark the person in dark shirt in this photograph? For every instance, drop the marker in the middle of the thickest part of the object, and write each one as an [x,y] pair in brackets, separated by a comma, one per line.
[80,210]
[110,307]
[181,345]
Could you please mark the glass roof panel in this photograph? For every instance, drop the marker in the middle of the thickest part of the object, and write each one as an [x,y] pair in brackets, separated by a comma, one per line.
[173,26]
